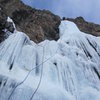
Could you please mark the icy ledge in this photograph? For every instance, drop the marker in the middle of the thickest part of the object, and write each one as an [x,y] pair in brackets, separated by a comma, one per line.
[68,69]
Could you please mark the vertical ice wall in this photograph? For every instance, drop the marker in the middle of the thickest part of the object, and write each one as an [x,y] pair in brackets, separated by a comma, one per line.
[68,68]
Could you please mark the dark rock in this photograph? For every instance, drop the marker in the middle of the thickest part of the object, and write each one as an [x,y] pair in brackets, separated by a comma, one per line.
[85,26]
[9,26]
[37,24]
[4,25]
[3,19]
[2,35]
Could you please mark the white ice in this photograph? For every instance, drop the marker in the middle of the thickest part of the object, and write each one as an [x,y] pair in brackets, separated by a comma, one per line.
[70,67]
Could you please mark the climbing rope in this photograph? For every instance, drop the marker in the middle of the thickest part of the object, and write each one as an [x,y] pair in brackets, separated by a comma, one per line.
[40,78]
[29,74]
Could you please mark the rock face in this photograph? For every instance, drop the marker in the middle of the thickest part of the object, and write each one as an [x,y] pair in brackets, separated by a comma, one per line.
[4,24]
[37,24]
[85,26]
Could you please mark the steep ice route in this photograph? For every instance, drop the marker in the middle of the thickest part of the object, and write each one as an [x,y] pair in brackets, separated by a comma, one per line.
[70,66]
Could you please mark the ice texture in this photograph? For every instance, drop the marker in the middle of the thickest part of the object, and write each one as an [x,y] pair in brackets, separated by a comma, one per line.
[67,69]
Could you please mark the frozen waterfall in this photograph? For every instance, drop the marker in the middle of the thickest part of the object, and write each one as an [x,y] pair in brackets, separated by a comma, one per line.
[67,69]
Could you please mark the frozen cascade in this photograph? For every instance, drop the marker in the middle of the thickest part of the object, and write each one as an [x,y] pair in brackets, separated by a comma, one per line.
[70,66]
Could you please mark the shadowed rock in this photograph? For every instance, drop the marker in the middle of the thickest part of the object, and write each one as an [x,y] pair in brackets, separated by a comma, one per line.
[4,25]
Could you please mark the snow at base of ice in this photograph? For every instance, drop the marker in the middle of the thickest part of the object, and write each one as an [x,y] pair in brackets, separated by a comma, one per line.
[71,66]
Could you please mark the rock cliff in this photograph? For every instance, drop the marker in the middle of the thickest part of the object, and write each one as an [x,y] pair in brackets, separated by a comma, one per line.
[37,24]
[85,26]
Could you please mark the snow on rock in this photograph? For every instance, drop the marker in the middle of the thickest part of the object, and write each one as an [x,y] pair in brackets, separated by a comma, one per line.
[10,28]
[67,69]
[10,20]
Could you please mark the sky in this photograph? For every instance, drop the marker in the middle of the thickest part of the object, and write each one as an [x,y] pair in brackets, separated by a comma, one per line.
[89,9]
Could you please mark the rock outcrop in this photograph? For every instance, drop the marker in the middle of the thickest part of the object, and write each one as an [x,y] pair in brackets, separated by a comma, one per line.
[4,25]
[85,26]
[37,24]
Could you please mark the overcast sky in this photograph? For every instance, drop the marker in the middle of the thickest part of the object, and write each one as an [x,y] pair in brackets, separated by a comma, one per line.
[89,9]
